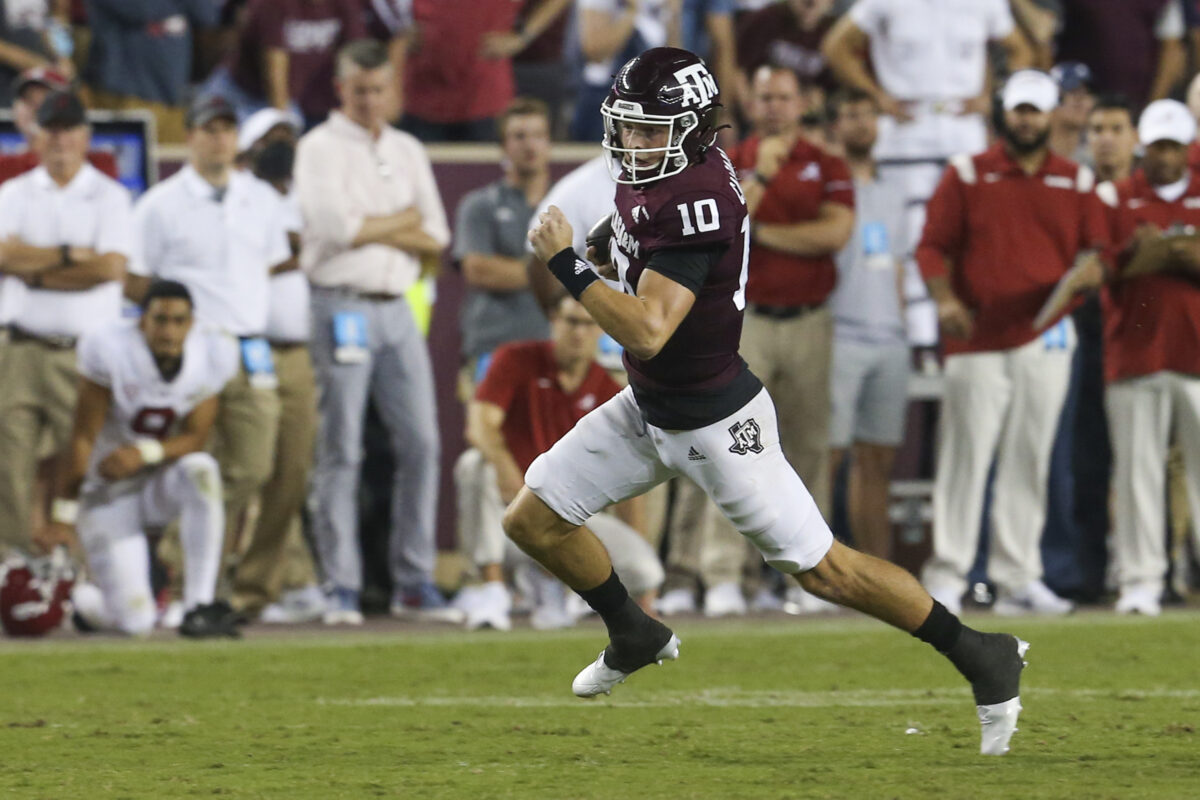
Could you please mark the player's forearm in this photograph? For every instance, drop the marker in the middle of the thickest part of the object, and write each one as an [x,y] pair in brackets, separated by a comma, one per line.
[812,239]
[494,273]
[629,319]
[85,274]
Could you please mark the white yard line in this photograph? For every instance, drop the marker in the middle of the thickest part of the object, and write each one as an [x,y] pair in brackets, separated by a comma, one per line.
[737,698]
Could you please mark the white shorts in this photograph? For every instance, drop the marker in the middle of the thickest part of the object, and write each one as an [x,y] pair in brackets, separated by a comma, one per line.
[612,454]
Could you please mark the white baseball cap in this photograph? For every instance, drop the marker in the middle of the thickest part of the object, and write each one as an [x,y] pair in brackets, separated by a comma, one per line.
[258,124]
[1166,119]
[1030,87]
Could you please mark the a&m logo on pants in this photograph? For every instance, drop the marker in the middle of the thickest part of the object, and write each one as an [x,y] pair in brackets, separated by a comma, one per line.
[747,437]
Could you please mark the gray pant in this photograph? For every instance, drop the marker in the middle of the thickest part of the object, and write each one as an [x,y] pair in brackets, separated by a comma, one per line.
[398,376]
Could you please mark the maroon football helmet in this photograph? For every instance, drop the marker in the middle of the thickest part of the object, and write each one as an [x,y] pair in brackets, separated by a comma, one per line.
[35,593]
[663,86]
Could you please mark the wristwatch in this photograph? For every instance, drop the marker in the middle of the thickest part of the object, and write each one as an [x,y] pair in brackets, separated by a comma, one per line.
[65,253]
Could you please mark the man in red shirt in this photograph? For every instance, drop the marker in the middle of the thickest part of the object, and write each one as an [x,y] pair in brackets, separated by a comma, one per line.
[29,90]
[801,205]
[532,395]
[1152,347]
[1003,228]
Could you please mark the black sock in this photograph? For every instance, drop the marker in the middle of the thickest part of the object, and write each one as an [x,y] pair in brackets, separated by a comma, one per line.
[614,605]
[940,629]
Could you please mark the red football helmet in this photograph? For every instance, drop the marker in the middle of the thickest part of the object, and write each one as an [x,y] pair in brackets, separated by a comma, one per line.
[668,87]
[35,594]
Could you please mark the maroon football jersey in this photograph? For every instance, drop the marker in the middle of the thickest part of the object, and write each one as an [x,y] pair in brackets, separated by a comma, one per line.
[698,377]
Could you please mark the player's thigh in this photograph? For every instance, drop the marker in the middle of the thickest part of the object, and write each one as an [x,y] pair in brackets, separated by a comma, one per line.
[119,560]
[882,408]
[742,468]
[607,457]
[848,374]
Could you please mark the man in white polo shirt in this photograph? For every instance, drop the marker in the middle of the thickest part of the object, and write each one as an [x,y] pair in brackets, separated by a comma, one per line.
[930,61]
[65,231]
[219,232]
[372,215]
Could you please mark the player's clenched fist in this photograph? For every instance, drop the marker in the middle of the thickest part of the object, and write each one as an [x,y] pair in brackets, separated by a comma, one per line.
[551,235]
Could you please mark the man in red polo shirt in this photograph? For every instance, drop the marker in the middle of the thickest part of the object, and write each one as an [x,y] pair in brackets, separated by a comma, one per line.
[1003,228]
[1152,347]
[532,395]
[29,90]
[801,204]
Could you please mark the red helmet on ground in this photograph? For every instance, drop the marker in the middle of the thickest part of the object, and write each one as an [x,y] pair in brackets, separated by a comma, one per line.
[663,86]
[35,594]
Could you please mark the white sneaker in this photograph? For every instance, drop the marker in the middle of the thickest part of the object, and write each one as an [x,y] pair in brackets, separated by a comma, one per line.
[1142,600]
[949,596]
[766,600]
[172,616]
[676,601]
[724,600]
[599,678]
[998,722]
[295,606]
[486,606]
[798,601]
[1036,598]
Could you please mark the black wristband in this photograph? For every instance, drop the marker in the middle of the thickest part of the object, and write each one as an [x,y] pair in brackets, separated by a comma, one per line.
[763,179]
[65,252]
[572,272]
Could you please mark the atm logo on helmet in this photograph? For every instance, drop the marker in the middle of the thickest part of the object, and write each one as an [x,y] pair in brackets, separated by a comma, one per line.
[699,86]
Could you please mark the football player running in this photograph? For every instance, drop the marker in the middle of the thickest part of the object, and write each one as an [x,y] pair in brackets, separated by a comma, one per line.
[679,245]
[147,399]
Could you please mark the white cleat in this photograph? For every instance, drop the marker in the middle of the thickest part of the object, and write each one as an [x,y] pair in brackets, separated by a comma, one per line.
[599,678]
[999,720]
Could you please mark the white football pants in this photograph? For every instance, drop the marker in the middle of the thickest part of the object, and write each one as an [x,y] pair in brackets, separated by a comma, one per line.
[113,533]
[1141,412]
[1001,406]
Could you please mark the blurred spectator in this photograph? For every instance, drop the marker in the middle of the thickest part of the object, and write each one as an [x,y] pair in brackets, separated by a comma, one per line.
[801,203]
[141,56]
[610,33]
[284,56]
[1133,47]
[1069,120]
[1193,104]
[66,233]
[785,34]
[1111,138]
[267,144]
[930,78]
[29,90]
[33,33]
[532,395]
[490,240]
[391,21]
[459,75]
[1153,351]
[538,68]
[219,231]
[870,352]
[706,28]
[372,216]
[1039,21]
[1005,379]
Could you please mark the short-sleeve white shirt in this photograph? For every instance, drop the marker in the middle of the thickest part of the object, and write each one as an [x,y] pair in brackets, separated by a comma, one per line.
[584,195]
[288,320]
[91,211]
[222,251]
[931,49]
[343,176]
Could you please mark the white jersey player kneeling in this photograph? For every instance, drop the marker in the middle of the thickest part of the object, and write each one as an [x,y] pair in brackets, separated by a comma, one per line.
[136,462]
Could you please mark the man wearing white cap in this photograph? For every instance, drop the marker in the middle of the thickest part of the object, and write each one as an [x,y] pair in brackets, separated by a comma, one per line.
[1003,228]
[1152,347]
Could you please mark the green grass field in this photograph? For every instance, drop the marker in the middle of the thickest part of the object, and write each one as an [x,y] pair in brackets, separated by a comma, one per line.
[758,709]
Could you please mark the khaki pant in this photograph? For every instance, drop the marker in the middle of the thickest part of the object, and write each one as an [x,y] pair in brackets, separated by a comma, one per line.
[38,390]
[243,443]
[261,569]
[792,358]
[168,120]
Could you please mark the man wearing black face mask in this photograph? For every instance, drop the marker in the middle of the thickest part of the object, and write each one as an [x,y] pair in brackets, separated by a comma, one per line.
[277,567]
[1003,229]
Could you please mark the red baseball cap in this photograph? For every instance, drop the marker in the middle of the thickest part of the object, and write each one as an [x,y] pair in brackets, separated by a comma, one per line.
[51,78]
